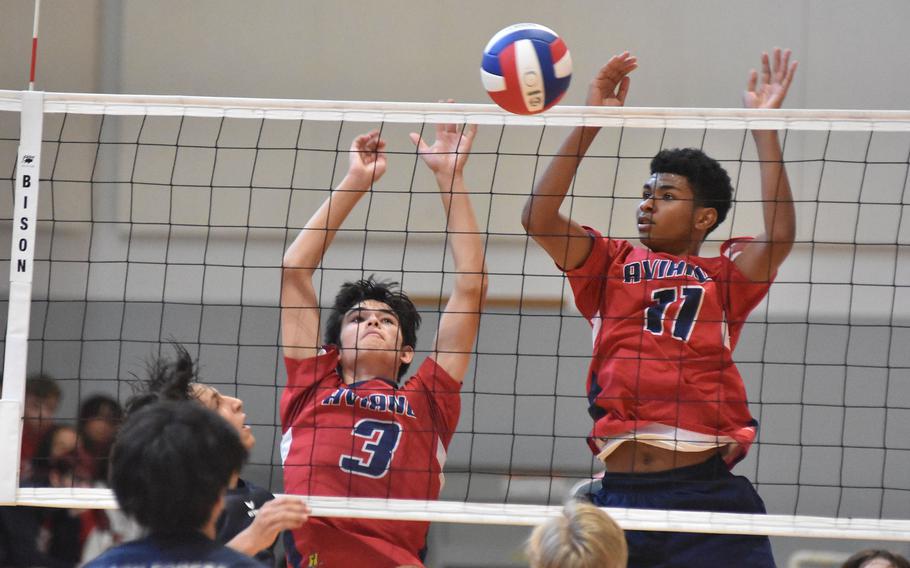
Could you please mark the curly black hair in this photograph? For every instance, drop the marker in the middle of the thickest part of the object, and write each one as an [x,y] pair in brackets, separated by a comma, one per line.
[353,293]
[709,180]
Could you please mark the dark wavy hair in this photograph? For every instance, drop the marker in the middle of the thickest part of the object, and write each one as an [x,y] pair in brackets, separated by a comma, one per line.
[353,293]
[171,463]
[709,180]
[167,379]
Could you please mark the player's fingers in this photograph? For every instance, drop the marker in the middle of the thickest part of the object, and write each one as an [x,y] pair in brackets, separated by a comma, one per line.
[623,90]
[788,78]
[619,58]
[765,69]
[607,74]
[358,142]
[422,147]
[753,80]
[293,513]
[784,62]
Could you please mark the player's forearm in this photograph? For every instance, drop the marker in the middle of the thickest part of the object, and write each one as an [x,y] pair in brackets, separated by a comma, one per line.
[777,198]
[463,235]
[542,208]
[306,252]
[246,542]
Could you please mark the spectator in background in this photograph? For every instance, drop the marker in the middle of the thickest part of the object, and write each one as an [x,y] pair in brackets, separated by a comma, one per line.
[42,397]
[871,558]
[58,442]
[582,537]
[170,468]
[99,419]
[48,537]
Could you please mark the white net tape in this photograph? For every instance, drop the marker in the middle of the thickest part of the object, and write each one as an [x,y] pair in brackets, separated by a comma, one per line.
[364,111]
[515,514]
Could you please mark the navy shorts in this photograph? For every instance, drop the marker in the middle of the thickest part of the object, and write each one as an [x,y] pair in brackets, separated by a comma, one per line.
[707,486]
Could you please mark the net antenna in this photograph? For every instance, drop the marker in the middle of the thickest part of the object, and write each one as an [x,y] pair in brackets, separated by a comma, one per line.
[146,247]
[34,60]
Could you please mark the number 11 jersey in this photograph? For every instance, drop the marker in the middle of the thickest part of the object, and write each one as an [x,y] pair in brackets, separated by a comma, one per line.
[367,439]
[664,330]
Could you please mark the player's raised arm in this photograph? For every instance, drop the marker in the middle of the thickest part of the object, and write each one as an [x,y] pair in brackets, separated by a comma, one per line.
[761,258]
[299,302]
[567,243]
[458,325]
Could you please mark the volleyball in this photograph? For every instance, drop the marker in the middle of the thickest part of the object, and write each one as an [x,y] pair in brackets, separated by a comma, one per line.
[526,68]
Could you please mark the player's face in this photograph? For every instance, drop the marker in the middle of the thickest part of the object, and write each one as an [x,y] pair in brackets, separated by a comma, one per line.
[668,219]
[229,408]
[371,335]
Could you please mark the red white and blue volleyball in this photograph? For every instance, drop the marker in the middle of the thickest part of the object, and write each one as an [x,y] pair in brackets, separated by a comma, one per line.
[526,68]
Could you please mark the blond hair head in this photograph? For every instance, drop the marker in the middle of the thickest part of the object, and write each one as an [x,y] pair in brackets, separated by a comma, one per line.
[582,537]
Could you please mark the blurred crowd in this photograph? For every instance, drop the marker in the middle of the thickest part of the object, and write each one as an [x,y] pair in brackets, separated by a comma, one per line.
[62,453]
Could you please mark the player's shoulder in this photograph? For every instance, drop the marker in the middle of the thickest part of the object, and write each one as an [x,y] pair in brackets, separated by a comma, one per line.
[726,255]
[431,376]
[250,490]
[185,550]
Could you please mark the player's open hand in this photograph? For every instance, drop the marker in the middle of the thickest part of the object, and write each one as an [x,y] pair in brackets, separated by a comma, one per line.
[367,159]
[448,154]
[776,75]
[611,85]
[279,514]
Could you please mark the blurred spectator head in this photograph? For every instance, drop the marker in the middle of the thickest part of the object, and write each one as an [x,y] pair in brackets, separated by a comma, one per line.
[56,463]
[99,419]
[42,397]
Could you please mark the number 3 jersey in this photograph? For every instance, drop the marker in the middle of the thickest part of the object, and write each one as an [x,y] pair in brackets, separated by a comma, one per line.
[664,330]
[367,439]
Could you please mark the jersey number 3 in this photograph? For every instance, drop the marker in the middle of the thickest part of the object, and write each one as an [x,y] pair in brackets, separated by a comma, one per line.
[686,315]
[380,441]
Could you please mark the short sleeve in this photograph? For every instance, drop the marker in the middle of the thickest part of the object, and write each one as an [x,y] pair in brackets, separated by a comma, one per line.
[303,376]
[742,294]
[443,395]
[588,280]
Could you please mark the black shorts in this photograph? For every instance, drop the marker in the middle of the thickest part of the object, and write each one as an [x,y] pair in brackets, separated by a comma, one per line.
[707,486]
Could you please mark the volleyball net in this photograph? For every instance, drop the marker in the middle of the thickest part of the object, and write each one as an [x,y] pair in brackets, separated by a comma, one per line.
[137,221]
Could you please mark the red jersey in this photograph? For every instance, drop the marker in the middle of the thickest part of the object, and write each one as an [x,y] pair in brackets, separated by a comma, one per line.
[664,330]
[367,439]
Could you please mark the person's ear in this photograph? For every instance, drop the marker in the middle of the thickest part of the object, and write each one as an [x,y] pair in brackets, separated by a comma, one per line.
[705,218]
[406,355]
